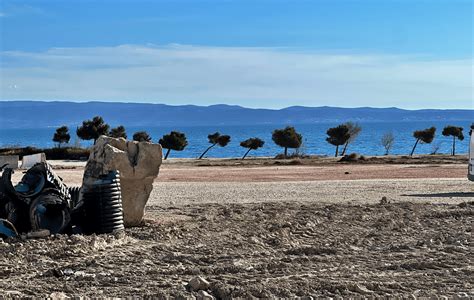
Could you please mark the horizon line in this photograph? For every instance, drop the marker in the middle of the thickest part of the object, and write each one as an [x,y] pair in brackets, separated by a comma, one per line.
[228,105]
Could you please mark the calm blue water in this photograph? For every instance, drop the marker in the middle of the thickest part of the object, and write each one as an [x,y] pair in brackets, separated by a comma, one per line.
[314,135]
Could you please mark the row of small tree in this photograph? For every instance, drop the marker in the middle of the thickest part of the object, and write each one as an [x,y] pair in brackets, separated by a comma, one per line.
[287,138]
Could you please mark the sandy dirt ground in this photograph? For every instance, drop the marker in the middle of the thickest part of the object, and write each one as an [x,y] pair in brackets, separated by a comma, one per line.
[269,229]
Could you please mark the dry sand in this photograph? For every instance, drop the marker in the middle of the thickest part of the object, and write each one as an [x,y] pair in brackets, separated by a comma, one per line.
[267,229]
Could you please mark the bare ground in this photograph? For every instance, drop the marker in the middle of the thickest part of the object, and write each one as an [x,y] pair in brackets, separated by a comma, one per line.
[313,231]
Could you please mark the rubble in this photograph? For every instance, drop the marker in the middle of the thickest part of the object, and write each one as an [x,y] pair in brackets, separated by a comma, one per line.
[138,163]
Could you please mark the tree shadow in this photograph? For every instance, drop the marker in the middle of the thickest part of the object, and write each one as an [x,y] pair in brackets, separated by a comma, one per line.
[442,195]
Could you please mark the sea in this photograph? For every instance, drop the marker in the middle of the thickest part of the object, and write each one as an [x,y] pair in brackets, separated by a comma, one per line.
[314,138]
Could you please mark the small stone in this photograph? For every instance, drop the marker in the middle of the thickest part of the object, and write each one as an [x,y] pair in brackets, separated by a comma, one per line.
[58,295]
[12,293]
[198,283]
[68,272]
[361,289]
[384,200]
[38,234]
[203,295]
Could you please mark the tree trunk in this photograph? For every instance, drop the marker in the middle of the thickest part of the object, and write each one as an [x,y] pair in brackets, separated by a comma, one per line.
[286,152]
[245,155]
[386,151]
[167,153]
[454,145]
[337,151]
[204,153]
[345,148]
[414,147]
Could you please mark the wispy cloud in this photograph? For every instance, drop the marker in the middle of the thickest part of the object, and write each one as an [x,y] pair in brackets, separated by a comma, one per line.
[16,9]
[257,77]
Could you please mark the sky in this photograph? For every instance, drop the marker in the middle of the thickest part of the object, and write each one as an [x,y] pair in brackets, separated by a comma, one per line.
[256,53]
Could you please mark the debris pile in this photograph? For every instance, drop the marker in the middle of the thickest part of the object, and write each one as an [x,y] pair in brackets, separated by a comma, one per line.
[117,182]
[39,201]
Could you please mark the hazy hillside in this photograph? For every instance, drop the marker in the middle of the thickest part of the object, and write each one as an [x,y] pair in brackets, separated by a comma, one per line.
[31,114]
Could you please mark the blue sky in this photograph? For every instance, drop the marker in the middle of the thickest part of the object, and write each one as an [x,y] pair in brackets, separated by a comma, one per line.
[256,53]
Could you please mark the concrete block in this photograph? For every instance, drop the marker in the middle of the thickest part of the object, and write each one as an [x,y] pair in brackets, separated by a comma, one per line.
[11,160]
[31,160]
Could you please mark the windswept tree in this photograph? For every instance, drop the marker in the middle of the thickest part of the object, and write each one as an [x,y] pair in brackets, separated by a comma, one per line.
[251,144]
[141,136]
[387,141]
[118,132]
[354,130]
[456,133]
[61,135]
[338,136]
[92,129]
[216,139]
[287,138]
[175,140]
[425,136]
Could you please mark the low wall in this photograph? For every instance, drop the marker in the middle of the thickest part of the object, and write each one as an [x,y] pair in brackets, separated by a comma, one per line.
[11,160]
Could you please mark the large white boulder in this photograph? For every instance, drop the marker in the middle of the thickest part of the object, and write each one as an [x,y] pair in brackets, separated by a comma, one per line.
[138,163]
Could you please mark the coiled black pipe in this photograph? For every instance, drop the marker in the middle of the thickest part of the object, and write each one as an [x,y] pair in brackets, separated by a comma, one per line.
[102,205]
[75,193]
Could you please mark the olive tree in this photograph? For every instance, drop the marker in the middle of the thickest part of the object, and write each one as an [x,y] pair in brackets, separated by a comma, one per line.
[61,135]
[251,144]
[175,140]
[216,139]
[456,133]
[425,136]
[92,129]
[287,138]
[338,136]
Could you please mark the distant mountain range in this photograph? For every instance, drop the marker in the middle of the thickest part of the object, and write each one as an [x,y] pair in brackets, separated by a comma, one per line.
[38,114]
